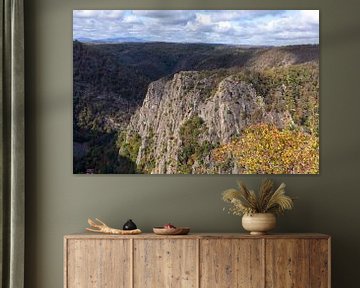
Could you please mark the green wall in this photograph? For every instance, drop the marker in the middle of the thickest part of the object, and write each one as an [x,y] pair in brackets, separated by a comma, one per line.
[59,203]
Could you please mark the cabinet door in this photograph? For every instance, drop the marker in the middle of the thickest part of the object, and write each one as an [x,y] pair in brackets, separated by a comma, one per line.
[98,263]
[231,263]
[320,263]
[287,263]
[166,263]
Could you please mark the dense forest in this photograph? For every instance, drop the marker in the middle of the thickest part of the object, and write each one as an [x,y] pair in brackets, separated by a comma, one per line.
[195,108]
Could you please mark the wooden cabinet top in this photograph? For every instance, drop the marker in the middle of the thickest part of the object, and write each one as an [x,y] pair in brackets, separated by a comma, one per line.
[199,236]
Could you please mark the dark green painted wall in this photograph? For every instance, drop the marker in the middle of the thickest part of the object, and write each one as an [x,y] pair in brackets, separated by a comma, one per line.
[59,202]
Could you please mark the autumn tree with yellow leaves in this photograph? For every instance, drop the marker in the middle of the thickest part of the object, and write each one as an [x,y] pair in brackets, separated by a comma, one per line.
[266,149]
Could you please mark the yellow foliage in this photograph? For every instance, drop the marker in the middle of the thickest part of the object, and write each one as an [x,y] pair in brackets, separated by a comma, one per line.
[265,149]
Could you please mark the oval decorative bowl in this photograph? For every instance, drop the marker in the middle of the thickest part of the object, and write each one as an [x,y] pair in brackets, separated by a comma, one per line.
[171,231]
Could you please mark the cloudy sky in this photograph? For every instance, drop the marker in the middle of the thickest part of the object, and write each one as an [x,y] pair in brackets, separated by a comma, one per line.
[246,27]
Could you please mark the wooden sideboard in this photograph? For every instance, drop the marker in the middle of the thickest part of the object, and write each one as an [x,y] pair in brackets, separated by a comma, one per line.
[197,260]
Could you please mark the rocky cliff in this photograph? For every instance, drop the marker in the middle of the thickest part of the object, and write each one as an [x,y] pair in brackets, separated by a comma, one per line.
[184,118]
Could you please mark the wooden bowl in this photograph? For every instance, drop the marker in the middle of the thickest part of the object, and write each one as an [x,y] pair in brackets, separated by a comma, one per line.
[171,231]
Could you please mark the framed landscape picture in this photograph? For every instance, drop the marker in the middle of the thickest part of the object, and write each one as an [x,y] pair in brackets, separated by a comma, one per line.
[195,92]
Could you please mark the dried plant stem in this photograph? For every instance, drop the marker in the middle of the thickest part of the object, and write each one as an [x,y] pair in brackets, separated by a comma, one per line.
[101,227]
[245,201]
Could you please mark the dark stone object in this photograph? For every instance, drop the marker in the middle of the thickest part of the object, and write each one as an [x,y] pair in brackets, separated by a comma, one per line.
[129,225]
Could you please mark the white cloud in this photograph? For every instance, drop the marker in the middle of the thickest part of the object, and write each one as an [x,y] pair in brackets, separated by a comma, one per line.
[100,14]
[132,19]
[84,13]
[112,14]
[223,26]
[310,16]
[203,19]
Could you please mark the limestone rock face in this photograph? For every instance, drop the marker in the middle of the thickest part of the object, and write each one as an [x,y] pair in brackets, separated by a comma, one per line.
[222,107]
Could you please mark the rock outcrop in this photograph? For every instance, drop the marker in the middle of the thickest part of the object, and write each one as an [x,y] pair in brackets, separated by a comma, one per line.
[191,114]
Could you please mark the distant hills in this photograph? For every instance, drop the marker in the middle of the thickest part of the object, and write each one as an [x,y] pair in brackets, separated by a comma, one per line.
[115,40]
[111,40]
